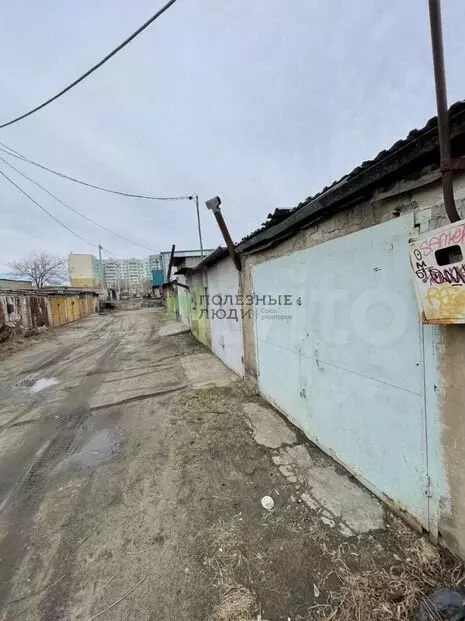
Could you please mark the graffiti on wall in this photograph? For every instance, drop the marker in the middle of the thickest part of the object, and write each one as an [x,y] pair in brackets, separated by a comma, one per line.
[438,269]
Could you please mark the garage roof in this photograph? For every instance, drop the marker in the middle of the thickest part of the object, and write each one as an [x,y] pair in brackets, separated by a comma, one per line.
[418,150]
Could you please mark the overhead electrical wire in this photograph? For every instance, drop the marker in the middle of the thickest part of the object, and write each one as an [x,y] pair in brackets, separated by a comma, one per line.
[92,69]
[126,239]
[19,188]
[109,255]
[13,153]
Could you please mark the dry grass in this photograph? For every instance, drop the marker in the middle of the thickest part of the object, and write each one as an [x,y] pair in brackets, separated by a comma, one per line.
[394,593]
[237,603]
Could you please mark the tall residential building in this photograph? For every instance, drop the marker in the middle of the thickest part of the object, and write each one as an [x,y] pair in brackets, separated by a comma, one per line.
[127,274]
[111,272]
[84,271]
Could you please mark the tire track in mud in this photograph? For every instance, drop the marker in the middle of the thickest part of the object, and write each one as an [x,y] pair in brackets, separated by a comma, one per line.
[67,350]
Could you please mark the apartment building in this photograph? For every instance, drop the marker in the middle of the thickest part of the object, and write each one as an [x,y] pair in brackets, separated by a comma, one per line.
[111,272]
[84,271]
[129,274]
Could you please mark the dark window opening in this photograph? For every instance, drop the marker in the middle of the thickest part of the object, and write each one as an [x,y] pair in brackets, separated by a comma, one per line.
[451,254]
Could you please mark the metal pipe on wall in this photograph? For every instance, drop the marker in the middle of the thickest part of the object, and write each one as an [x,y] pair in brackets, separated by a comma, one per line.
[214,205]
[443,113]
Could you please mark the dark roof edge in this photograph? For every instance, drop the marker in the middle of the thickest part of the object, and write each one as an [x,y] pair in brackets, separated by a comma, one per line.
[344,193]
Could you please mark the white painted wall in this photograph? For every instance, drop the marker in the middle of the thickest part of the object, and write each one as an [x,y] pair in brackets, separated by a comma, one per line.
[183,300]
[226,333]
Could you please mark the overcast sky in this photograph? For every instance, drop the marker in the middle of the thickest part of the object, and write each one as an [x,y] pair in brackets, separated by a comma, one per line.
[263,102]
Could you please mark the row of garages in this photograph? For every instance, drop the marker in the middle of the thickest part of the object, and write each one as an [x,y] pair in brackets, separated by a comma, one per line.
[23,311]
[323,318]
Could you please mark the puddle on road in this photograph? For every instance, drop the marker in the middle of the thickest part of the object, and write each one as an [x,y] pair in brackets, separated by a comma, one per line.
[43,383]
[101,447]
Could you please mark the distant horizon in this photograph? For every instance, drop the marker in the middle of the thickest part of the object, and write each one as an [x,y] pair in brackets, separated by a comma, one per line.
[13,276]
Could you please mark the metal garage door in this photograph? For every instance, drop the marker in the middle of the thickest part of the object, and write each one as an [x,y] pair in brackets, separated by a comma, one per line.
[226,332]
[347,366]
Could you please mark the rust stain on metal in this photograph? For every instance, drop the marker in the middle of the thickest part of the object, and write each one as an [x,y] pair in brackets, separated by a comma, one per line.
[23,312]
[441,321]
[39,314]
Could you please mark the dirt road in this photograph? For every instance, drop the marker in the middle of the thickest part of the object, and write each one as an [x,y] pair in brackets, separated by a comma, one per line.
[132,465]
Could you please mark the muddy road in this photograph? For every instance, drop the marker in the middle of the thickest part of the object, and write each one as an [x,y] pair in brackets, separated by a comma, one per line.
[132,466]
[83,440]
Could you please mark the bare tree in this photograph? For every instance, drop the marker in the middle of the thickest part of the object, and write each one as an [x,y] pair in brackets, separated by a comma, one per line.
[43,268]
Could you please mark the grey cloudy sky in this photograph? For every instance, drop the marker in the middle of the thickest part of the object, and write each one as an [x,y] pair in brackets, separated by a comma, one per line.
[260,101]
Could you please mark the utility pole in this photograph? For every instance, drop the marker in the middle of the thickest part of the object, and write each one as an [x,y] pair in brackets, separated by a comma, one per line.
[447,165]
[100,248]
[196,197]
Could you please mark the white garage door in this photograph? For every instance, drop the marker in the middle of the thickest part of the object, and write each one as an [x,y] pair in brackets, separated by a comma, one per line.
[226,328]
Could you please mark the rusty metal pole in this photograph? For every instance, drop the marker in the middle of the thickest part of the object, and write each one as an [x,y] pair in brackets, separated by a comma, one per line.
[443,113]
[214,205]
[227,239]
[170,265]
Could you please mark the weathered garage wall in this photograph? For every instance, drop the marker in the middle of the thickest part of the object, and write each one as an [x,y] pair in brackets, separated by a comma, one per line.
[66,308]
[448,348]
[226,328]
[451,397]
[184,300]
[23,311]
[171,301]
[184,303]
[200,324]
[443,360]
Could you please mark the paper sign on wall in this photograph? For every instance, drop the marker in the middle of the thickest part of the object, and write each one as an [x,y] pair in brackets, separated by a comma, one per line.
[438,269]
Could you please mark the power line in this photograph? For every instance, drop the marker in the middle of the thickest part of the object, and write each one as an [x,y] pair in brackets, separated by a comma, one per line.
[109,255]
[47,212]
[94,68]
[13,153]
[72,208]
